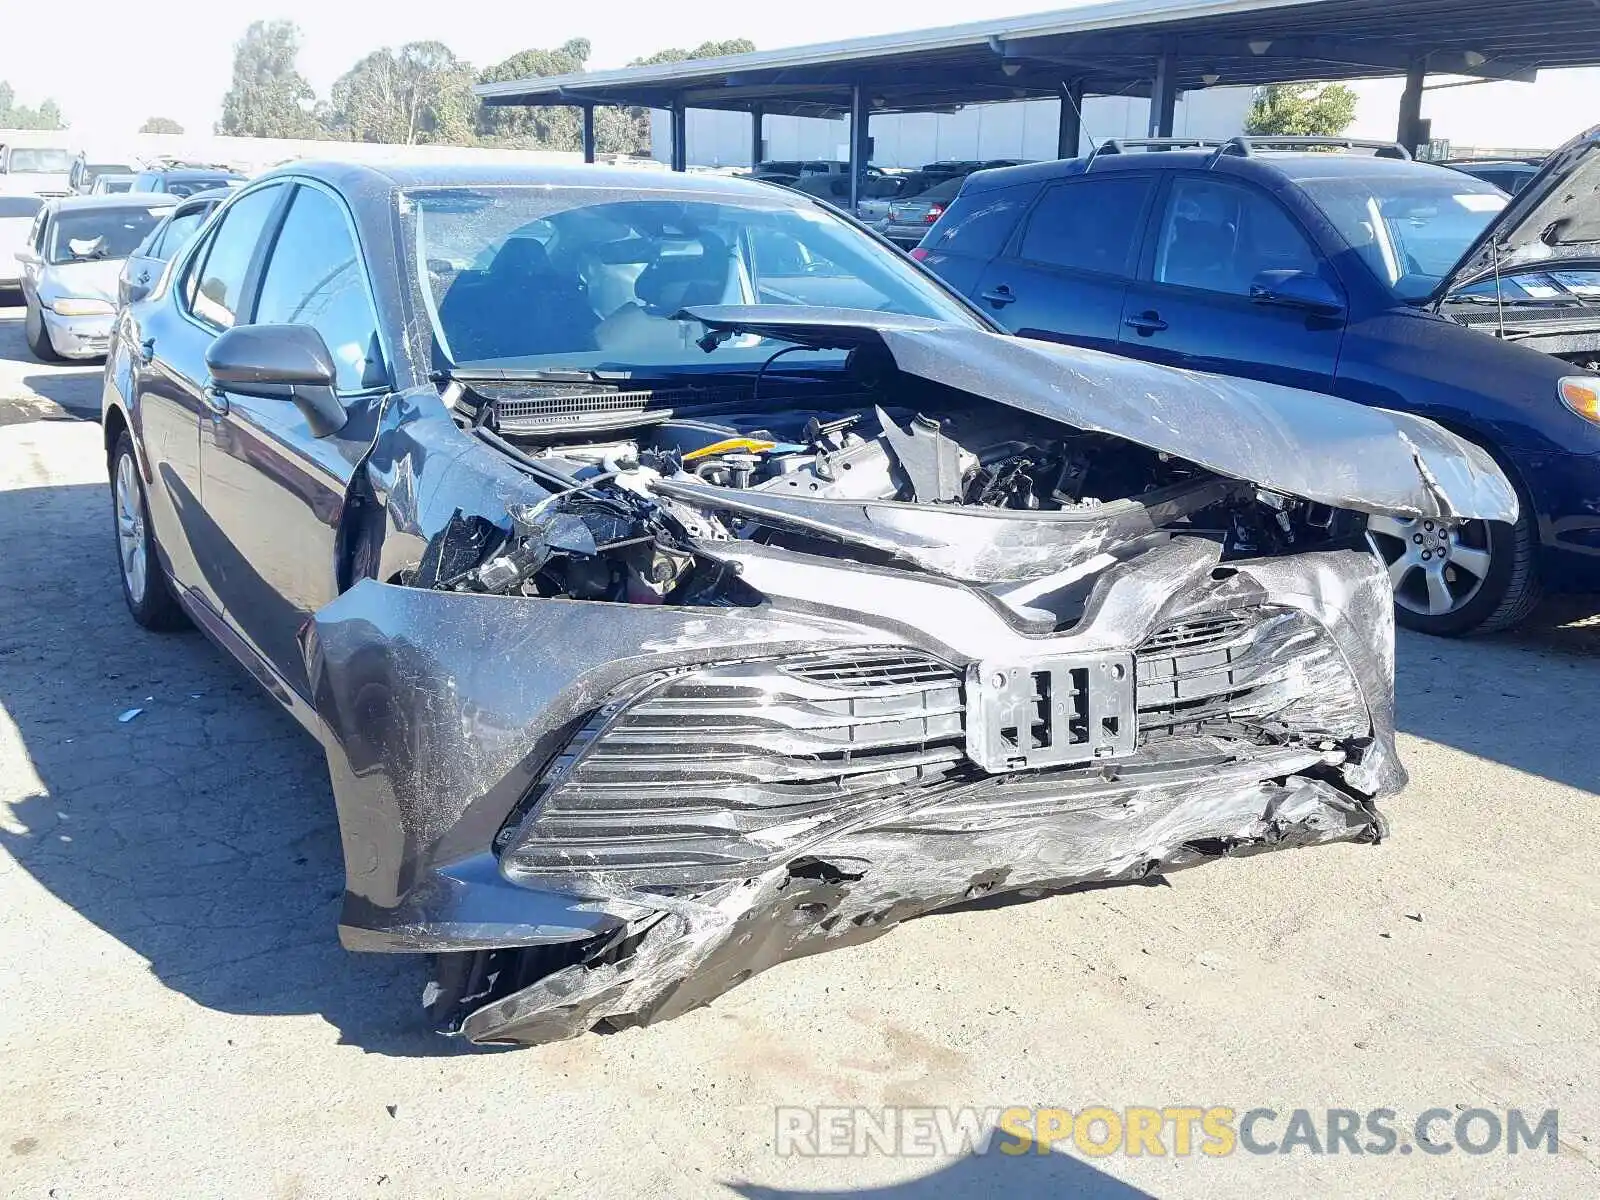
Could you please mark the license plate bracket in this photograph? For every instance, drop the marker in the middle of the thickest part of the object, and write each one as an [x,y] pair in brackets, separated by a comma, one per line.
[1050,712]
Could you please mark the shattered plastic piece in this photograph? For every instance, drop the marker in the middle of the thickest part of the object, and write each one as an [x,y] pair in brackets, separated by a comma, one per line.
[931,461]
[130,715]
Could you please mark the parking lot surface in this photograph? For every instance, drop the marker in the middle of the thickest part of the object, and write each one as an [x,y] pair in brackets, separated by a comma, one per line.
[177,1017]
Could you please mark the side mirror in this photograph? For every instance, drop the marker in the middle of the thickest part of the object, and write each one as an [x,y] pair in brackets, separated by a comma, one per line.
[1298,289]
[289,362]
[26,257]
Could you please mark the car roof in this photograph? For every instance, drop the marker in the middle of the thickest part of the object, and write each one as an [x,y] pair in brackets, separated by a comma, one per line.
[114,200]
[471,172]
[1493,164]
[209,196]
[1296,165]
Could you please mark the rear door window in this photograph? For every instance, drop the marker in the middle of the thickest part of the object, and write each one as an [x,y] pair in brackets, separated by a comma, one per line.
[1089,225]
[177,233]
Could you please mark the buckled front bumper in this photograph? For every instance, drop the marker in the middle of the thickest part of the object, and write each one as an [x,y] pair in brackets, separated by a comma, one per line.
[682,799]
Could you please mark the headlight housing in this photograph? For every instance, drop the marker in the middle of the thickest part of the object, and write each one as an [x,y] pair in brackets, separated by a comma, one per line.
[72,307]
[1581,393]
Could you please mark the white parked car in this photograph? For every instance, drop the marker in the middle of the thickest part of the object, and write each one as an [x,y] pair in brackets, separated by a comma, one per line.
[35,170]
[17,215]
[70,266]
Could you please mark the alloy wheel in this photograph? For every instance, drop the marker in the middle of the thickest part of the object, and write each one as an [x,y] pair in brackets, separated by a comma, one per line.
[130,529]
[1436,567]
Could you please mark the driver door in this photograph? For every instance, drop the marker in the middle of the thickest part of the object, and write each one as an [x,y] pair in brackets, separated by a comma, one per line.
[274,492]
[1191,305]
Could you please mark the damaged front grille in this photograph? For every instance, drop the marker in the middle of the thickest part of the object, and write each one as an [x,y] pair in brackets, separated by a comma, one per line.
[1271,672]
[710,770]
[705,775]
[868,669]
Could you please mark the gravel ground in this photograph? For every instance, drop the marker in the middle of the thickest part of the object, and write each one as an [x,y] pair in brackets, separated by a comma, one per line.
[177,1018]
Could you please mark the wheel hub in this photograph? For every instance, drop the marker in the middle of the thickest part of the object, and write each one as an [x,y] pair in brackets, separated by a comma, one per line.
[1436,567]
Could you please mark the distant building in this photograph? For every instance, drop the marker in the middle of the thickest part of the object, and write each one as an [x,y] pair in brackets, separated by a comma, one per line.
[1021,129]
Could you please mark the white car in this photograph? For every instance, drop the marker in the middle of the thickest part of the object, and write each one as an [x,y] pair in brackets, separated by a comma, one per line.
[17,214]
[35,170]
[70,265]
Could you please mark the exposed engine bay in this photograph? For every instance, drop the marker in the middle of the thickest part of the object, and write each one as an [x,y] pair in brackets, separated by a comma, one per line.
[816,468]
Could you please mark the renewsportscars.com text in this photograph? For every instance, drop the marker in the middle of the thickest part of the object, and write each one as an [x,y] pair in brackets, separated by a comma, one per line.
[1216,1131]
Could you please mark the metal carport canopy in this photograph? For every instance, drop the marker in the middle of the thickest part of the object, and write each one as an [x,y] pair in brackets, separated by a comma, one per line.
[1118,48]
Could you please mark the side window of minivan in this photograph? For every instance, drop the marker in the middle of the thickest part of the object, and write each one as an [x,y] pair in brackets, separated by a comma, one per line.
[1089,224]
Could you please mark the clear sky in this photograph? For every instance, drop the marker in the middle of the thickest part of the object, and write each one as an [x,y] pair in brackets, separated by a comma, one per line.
[111,63]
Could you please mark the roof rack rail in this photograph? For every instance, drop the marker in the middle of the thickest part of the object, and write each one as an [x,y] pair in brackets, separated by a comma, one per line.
[1245,147]
[1121,145]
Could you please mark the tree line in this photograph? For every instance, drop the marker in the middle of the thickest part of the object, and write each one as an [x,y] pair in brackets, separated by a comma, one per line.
[421,93]
[20,116]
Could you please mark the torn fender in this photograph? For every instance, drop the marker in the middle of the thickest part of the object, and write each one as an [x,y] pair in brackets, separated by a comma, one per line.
[1304,444]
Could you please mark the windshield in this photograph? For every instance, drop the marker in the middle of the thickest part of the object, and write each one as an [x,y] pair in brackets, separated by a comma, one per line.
[1411,226]
[1539,286]
[97,233]
[28,160]
[593,278]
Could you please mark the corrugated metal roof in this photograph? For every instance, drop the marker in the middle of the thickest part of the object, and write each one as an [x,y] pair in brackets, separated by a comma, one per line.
[1112,47]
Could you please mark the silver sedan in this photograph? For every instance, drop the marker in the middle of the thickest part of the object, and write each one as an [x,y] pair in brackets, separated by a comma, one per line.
[70,264]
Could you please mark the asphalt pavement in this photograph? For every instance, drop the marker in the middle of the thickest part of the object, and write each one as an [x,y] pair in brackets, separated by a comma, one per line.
[177,1017]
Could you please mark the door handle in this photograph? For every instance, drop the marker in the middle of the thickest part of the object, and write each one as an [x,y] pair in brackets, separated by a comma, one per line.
[1147,323]
[999,296]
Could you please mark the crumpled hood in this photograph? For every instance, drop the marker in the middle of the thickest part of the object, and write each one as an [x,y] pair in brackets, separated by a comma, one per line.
[93,280]
[1552,221]
[1304,444]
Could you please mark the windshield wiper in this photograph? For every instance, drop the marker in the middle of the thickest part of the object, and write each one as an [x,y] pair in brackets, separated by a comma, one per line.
[471,374]
[1524,301]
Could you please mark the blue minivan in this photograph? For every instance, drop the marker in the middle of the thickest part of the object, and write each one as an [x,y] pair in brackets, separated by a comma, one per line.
[1322,264]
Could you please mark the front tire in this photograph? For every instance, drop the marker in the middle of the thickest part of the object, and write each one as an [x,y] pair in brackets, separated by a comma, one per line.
[1454,580]
[37,336]
[144,586]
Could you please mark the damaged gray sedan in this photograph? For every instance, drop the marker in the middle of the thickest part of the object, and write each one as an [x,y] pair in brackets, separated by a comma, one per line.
[680,581]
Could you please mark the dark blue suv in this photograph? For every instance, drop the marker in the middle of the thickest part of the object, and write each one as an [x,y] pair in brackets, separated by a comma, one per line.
[1386,281]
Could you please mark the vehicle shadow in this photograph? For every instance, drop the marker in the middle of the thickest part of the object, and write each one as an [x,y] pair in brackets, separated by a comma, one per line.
[199,832]
[980,1176]
[76,392]
[1520,698]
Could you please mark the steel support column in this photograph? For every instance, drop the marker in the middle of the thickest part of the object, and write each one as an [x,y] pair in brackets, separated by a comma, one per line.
[757,124]
[1164,96]
[680,136]
[1409,132]
[860,142]
[588,133]
[1069,127]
